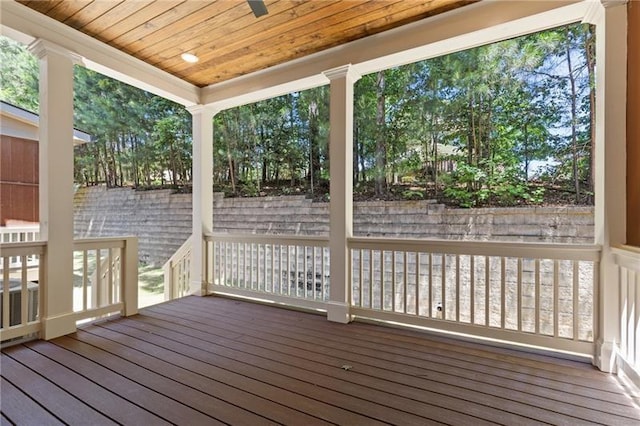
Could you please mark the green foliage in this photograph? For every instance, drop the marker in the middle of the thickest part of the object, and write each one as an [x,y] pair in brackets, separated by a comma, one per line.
[412,194]
[472,126]
[249,189]
[18,75]
[472,187]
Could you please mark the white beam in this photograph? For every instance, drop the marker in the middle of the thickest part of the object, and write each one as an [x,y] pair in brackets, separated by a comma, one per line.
[610,19]
[481,23]
[340,189]
[202,177]
[56,186]
[21,23]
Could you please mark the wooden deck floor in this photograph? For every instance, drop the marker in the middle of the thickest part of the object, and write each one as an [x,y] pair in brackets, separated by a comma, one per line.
[214,361]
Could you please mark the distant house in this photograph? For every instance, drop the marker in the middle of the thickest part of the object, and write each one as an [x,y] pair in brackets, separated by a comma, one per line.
[19,164]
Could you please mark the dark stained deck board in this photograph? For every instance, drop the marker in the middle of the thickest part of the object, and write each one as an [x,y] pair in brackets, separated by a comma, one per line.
[164,397]
[394,341]
[413,338]
[21,409]
[140,395]
[172,369]
[365,401]
[378,349]
[207,360]
[54,399]
[493,393]
[405,385]
[228,371]
[4,421]
[444,352]
[99,398]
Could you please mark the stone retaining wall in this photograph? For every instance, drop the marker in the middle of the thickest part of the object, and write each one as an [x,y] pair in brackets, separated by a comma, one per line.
[162,220]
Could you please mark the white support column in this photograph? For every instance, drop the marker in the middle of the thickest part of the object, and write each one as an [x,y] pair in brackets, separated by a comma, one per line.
[610,18]
[202,176]
[56,185]
[341,189]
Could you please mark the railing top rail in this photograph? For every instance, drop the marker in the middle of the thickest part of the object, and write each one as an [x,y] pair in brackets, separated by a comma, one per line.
[627,256]
[184,249]
[20,228]
[625,249]
[100,243]
[481,248]
[300,240]
[20,249]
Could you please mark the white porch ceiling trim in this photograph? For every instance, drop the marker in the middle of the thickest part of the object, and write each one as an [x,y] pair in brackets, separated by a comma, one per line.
[22,24]
[481,23]
[470,26]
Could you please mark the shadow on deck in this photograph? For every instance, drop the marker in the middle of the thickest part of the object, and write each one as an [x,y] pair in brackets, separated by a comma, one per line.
[213,360]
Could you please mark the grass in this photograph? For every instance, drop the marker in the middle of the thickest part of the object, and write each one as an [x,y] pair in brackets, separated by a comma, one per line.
[150,278]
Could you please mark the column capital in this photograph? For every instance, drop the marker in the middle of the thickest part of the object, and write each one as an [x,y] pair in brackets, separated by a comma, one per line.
[345,71]
[210,110]
[597,8]
[41,48]
[612,3]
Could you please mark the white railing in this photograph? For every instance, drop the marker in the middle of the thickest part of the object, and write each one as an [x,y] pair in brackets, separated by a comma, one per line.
[20,234]
[20,293]
[105,277]
[543,295]
[537,294]
[288,269]
[105,282]
[177,272]
[628,261]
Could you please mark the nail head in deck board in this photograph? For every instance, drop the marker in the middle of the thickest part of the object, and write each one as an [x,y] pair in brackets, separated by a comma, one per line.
[289,377]
[414,340]
[182,370]
[489,395]
[378,391]
[223,369]
[302,354]
[510,389]
[409,351]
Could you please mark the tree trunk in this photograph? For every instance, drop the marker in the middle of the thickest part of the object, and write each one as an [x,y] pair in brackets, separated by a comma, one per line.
[471,144]
[591,66]
[381,152]
[574,119]
[356,154]
[314,144]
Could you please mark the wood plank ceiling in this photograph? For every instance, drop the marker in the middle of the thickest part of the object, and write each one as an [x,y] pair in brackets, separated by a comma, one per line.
[228,39]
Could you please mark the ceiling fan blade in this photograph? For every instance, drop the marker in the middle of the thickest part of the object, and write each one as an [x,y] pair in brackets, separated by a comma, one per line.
[258,7]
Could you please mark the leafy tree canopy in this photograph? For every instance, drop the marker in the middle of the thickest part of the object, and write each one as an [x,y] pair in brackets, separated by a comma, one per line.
[500,124]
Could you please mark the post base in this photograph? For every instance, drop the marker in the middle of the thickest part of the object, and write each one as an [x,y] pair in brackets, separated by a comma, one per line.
[339,312]
[605,357]
[53,327]
[198,288]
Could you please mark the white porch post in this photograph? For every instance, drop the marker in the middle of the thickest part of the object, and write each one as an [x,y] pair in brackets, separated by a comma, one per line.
[202,192]
[610,18]
[56,185]
[341,189]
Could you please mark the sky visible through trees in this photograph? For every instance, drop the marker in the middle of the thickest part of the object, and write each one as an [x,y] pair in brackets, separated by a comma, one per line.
[502,124]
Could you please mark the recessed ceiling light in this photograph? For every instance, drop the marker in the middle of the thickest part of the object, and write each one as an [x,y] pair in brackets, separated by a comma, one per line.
[189,57]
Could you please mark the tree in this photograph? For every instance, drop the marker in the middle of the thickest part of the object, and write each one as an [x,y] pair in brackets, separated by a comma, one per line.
[471,126]
[18,75]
